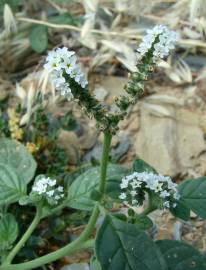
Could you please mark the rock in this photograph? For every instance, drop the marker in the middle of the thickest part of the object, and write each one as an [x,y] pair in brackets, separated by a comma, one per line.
[177,233]
[100,93]
[170,137]
[76,266]
[121,149]
[94,153]
[69,142]
[120,146]
[114,85]
[164,99]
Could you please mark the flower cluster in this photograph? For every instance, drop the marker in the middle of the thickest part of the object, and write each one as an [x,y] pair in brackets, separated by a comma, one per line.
[60,63]
[15,130]
[158,41]
[47,188]
[135,186]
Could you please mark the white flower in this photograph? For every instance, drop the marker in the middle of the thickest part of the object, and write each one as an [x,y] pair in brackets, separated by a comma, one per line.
[46,187]
[137,184]
[69,64]
[51,182]
[158,187]
[176,196]
[166,204]
[64,52]
[124,183]
[59,63]
[134,202]
[122,196]
[50,193]
[133,193]
[53,62]
[60,189]
[160,40]
[164,194]
[57,78]
[65,91]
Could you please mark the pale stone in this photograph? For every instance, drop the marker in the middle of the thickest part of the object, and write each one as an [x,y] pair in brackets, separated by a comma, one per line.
[69,142]
[169,137]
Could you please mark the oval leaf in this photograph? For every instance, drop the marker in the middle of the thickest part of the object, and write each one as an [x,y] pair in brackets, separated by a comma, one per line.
[181,256]
[8,231]
[123,246]
[79,193]
[38,38]
[140,166]
[181,211]
[193,195]
[11,187]
[15,155]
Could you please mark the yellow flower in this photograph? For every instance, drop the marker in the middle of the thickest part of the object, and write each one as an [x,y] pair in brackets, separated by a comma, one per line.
[15,130]
[17,134]
[31,147]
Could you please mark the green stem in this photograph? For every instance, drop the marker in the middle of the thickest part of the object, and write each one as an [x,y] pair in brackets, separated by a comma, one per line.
[80,242]
[25,237]
[104,161]
[150,207]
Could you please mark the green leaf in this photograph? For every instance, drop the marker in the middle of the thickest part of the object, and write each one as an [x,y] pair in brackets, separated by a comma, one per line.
[12,3]
[15,155]
[123,246]
[143,222]
[181,211]
[181,256]
[94,264]
[66,18]
[38,38]
[8,231]
[12,188]
[79,193]
[193,195]
[140,165]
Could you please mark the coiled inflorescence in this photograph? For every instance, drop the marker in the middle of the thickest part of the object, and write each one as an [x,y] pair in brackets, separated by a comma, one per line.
[71,83]
[47,189]
[135,186]
[61,63]
[155,46]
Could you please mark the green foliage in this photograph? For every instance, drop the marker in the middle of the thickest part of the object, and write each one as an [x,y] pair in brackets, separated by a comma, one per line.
[12,188]
[66,18]
[181,211]
[140,166]
[94,264]
[8,231]
[53,161]
[121,246]
[181,256]
[16,156]
[79,193]
[68,122]
[193,196]
[43,130]
[12,3]
[38,38]
[143,222]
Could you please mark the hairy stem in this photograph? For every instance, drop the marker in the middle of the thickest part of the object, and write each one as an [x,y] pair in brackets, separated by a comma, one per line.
[104,161]
[25,237]
[80,242]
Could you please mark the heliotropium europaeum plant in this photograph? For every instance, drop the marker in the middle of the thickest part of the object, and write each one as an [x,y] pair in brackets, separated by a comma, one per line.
[122,241]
